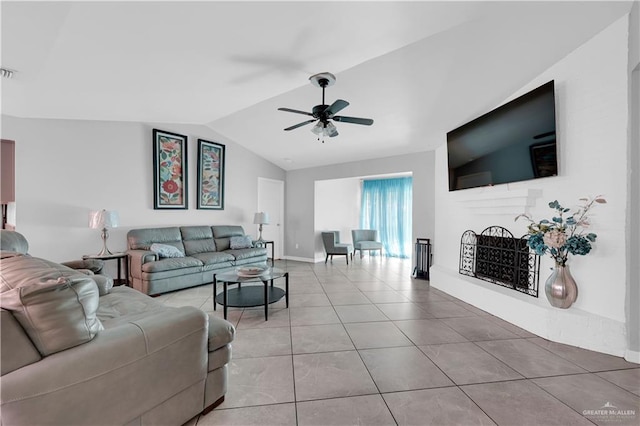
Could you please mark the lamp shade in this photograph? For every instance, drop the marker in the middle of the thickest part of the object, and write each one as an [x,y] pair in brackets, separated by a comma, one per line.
[261,218]
[100,219]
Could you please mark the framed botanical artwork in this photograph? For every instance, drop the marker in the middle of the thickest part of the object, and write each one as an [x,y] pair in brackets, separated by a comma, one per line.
[169,170]
[210,175]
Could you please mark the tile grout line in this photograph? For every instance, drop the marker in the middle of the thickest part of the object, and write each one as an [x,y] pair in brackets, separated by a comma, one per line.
[293,369]
[559,400]
[339,272]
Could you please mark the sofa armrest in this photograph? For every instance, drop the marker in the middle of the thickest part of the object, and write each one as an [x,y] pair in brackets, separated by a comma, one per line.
[139,258]
[221,333]
[93,265]
[140,363]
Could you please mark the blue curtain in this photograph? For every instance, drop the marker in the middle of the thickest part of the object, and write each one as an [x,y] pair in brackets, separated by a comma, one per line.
[386,206]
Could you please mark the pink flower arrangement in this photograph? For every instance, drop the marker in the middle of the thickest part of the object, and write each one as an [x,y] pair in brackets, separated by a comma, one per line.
[562,235]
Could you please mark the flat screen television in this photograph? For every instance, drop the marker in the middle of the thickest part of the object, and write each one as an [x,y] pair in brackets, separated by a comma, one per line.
[514,142]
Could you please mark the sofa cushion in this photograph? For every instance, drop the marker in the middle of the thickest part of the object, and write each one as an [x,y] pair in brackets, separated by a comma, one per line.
[223,233]
[192,247]
[169,264]
[368,245]
[240,242]
[16,272]
[141,239]
[104,283]
[125,304]
[177,277]
[241,254]
[222,244]
[13,241]
[77,298]
[196,232]
[166,250]
[17,350]
[197,239]
[215,257]
[227,231]
[57,314]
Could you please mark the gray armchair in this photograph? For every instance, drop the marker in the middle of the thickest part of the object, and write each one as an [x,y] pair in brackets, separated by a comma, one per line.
[332,245]
[365,239]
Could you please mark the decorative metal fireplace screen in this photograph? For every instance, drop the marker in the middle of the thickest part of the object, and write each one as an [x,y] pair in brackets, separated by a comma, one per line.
[496,256]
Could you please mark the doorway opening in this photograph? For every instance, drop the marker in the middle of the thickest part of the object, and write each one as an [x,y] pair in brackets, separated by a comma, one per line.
[338,207]
[271,201]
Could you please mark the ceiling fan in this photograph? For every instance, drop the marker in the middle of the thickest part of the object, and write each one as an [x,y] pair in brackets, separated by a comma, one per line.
[323,114]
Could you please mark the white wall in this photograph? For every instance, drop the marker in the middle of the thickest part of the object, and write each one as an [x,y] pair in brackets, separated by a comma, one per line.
[300,189]
[592,119]
[337,208]
[633,215]
[65,168]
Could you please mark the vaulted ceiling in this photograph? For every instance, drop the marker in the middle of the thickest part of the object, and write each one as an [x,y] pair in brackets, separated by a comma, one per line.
[419,68]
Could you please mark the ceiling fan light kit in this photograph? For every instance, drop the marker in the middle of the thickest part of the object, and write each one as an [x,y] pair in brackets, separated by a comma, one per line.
[323,129]
[322,114]
[6,72]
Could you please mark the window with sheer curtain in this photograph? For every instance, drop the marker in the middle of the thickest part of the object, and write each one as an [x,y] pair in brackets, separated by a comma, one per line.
[386,206]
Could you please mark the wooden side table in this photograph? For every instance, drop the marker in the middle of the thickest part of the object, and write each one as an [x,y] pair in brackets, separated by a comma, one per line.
[123,263]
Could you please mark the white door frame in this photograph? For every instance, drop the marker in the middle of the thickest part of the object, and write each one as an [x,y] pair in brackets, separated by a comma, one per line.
[275,229]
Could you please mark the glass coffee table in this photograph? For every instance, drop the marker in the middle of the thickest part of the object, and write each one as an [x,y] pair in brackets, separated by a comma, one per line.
[245,296]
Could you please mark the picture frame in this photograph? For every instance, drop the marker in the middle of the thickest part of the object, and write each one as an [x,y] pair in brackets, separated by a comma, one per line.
[211,158]
[169,171]
[544,159]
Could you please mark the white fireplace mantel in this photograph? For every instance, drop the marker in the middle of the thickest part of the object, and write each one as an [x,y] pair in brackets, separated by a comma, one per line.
[498,202]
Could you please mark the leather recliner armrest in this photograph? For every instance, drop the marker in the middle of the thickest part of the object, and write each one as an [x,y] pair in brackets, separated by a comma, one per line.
[93,265]
[221,333]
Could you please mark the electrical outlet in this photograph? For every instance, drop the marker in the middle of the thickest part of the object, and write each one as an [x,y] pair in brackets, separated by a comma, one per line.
[297,245]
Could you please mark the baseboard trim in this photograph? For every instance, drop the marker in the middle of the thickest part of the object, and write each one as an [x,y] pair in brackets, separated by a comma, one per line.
[537,316]
[632,356]
[299,259]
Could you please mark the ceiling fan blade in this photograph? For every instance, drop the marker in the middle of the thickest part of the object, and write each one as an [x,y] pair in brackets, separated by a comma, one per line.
[354,120]
[295,110]
[295,126]
[335,107]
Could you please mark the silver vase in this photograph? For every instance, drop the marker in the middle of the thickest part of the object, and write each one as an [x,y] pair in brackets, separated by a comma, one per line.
[561,288]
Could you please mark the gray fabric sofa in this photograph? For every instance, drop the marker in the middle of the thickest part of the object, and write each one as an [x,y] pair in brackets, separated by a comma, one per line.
[77,353]
[207,251]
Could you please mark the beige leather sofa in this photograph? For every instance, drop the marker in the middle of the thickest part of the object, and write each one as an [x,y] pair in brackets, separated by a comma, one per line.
[201,252]
[75,352]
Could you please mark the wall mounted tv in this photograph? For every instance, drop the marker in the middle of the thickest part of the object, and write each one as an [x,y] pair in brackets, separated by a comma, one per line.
[514,142]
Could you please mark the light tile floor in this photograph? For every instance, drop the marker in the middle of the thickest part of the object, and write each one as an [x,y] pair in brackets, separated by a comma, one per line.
[366,344]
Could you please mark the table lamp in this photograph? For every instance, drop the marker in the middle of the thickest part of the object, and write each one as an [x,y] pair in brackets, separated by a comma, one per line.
[261,218]
[103,219]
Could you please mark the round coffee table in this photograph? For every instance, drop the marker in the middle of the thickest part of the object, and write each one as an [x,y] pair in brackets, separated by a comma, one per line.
[250,295]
